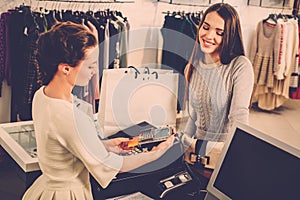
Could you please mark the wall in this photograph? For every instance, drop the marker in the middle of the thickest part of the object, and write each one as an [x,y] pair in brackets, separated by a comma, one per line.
[146,18]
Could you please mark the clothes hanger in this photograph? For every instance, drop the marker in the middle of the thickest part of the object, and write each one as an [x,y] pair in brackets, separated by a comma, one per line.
[272,19]
[177,14]
[89,11]
[43,10]
[53,12]
[119,14]
[282,16]
[113,16]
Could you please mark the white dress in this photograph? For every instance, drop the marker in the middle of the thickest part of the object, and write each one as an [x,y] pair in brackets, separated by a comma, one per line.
[68,150]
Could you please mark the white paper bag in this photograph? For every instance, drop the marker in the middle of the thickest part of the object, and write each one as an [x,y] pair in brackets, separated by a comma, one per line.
[129,96]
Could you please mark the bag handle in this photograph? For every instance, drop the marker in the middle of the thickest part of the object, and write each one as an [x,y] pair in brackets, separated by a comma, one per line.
[147,71]
[136,71]
[155,74]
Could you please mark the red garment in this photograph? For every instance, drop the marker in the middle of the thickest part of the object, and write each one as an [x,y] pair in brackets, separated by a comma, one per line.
[296,94]
[299,42]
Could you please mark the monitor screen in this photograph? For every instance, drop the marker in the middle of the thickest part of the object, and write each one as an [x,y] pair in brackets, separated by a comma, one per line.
[254,169]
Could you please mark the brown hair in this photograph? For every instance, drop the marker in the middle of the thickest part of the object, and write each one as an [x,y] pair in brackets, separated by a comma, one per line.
[232,43]
[65,42]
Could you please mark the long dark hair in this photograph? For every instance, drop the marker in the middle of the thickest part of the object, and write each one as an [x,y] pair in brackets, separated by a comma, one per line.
[232,43]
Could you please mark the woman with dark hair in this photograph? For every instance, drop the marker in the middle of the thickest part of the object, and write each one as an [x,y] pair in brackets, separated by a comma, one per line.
[68,147]
[219,78]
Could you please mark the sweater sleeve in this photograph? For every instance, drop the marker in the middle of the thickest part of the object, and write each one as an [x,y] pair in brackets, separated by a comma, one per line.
[76,131]
[243,78]
[190,127]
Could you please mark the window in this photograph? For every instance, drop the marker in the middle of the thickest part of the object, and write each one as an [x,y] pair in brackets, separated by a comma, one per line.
[272,3]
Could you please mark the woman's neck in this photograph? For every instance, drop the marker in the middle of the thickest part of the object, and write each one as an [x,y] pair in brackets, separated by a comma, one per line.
[211,59]
[58,90]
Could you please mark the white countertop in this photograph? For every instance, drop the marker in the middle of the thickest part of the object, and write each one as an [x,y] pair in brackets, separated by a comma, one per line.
[10,141]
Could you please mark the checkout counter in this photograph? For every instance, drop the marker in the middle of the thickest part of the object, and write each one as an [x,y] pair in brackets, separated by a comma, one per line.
[152,180]
[18,140]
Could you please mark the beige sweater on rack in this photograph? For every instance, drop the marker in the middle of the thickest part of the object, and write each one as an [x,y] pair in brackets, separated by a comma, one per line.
[271,88]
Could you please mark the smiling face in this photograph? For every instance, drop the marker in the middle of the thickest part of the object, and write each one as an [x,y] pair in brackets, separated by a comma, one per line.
[211,36]
[88,68]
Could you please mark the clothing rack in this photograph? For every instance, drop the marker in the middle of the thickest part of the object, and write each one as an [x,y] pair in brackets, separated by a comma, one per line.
[22,71]
[181,12]
[275,81]
[82,5]
[275,17]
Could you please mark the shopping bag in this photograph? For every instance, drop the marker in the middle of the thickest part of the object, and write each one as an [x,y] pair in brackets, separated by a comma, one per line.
[132,95]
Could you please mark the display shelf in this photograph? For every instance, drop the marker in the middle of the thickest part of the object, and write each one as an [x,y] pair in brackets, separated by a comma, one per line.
[19,141]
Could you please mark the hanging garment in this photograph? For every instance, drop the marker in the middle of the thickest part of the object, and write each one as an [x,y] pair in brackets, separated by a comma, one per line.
[295,92]
[295,54]
[268,56]
[113,43]
[18,65]
[33,77]
[178,41]
[2,49]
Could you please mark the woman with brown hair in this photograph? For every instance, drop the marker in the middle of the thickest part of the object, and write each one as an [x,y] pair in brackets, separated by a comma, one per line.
[219,78]
[68,147]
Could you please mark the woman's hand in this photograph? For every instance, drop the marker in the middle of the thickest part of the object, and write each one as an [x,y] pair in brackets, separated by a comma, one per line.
[92,29]
[137,160]
[163,146]
[116,145]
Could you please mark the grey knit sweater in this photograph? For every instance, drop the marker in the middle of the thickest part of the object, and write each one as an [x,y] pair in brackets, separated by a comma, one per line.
[218,95]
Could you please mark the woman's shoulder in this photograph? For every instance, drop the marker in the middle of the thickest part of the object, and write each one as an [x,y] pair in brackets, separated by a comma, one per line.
[54,107]
[241,62]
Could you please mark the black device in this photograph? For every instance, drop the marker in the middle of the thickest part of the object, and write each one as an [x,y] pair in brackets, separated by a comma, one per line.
[144,178]
[174,181]
[151,135]
[181,185]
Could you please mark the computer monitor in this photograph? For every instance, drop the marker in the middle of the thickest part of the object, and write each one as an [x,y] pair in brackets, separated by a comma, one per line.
[255,166]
